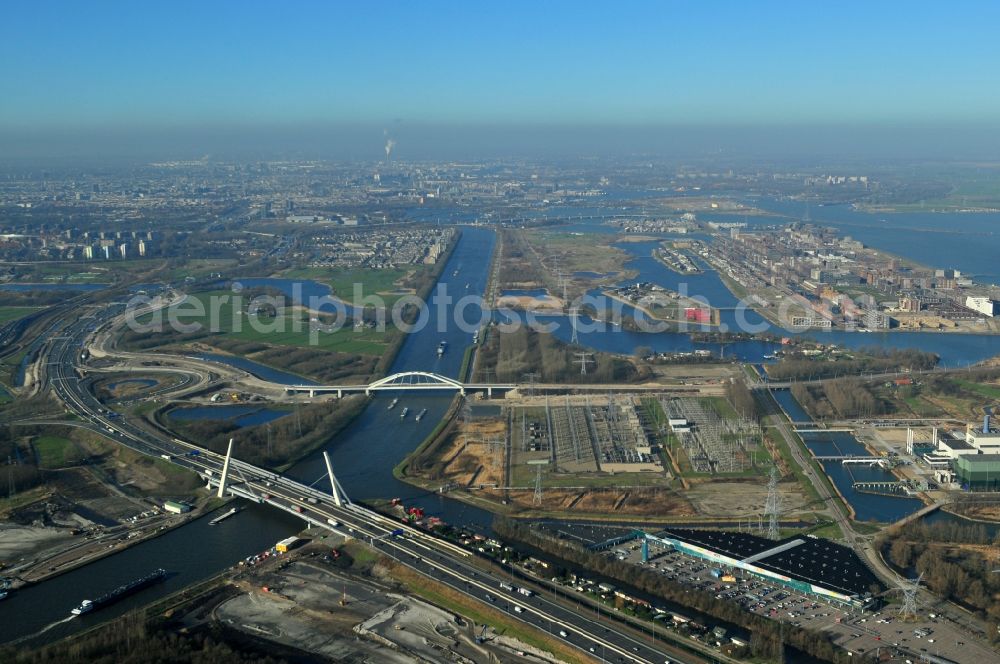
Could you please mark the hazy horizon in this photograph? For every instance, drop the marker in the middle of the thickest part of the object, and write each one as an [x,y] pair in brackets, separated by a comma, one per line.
[417,142]
[448,80]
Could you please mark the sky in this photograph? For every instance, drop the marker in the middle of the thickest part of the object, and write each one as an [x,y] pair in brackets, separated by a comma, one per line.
[80,70]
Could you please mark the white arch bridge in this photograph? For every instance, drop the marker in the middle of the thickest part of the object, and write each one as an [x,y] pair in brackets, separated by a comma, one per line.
[404,381]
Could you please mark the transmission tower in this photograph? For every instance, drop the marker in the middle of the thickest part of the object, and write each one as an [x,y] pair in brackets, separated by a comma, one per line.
[582,359]
[496,448]
[772,507]
[908,610]
[574,339]
[537,499]
[532,376]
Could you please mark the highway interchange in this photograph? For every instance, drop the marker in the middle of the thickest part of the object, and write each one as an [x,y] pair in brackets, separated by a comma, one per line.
[417,550]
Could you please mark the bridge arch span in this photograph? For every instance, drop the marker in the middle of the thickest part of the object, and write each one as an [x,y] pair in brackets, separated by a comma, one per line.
[416,379]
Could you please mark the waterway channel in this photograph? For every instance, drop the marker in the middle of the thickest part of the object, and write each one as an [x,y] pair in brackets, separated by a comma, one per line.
[866,506]
[365,453]
[364,456]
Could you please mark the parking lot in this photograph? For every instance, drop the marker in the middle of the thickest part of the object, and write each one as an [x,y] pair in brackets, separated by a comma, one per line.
[861,632]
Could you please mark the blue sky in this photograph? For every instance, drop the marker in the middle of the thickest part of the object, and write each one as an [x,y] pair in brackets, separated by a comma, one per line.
[174,63]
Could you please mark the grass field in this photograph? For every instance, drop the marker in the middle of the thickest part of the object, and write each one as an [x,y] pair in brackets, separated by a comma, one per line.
[985,389]
[8,314]
[55,451]
[342,282]
[579,253]
[291,328]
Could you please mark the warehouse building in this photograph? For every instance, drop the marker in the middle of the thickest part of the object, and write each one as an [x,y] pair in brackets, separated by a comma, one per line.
[806,564]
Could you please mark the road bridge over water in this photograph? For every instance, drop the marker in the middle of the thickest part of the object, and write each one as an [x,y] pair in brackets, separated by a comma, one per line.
[408,381]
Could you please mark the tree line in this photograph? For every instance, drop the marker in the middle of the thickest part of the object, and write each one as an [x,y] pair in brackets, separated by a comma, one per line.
[510,355]
[946,554]
[129,640]
[842,397]
[742,399]
[280,441]
[867,360]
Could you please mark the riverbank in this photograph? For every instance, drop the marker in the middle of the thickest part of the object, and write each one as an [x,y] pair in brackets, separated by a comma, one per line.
[992,519]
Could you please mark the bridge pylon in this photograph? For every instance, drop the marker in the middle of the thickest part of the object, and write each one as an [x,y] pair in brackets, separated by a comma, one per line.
[225,470]
[339,495]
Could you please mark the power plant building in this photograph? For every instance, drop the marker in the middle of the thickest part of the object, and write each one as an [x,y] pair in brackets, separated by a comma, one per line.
[978,472]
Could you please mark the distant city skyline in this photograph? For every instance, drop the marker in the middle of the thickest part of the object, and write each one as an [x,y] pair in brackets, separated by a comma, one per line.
[238,68]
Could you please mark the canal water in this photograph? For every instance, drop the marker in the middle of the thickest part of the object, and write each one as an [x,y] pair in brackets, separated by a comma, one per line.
[364,456]
[867,507]
[365,453]
[190,553]
[242,415]
[955,350]
[257,369]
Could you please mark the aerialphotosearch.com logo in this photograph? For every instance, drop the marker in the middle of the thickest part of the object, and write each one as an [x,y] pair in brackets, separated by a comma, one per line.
[265,312]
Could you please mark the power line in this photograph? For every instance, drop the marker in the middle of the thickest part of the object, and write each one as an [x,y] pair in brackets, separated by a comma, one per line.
[537,499]
[909,589]
[771,507]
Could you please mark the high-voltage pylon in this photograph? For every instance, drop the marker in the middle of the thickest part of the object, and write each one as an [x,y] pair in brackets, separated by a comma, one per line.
[531,377]
[908,610]
[574,339]
[497,449]
[537,498]
[772,506]
[582,359]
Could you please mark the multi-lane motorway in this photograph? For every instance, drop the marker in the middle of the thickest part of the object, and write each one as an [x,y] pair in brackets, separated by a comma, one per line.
[416,549]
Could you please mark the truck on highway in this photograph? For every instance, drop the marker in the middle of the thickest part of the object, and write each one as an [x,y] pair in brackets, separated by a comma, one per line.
[312,500]
[333,522]
[525,592]
[506,586]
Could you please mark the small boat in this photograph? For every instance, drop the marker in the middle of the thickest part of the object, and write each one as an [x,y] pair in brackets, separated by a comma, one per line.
[402,414]
[441,348]
[421,414]
[392,404]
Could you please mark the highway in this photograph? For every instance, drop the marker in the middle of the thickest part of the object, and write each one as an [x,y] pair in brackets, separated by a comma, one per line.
[413,548]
